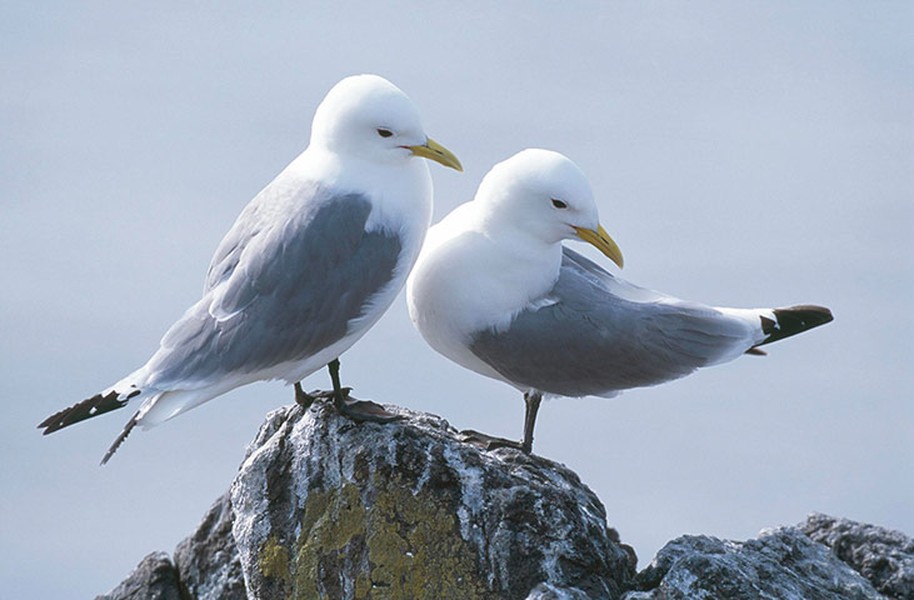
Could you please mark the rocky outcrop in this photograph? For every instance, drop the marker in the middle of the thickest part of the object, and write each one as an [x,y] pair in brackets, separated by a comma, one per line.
[326,508]
[207,562]
[782,563]
[883,556]
[155,578]
[823,558]
[205,566]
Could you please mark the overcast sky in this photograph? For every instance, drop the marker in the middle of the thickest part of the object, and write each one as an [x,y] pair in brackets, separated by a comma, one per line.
[743,154]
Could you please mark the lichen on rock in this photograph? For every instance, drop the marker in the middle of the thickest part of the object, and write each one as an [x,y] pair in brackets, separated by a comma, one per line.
[328,508]
[408,544]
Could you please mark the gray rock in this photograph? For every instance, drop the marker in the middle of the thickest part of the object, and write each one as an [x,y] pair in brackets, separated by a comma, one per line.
[325,507]
[155,578]
[781,564]
[206,565]
[546,591]
[207,561]
[883,556]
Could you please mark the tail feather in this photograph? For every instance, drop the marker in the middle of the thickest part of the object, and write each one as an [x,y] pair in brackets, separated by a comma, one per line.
[120,439]
[96,405]
[793,320]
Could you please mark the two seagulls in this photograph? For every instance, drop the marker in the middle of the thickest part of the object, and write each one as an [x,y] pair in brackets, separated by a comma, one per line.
[320,254]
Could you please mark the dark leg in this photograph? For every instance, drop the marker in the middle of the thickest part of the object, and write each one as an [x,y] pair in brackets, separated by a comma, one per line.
[487,442]
[339,395]
[357,410]
[303,398]
[532,400]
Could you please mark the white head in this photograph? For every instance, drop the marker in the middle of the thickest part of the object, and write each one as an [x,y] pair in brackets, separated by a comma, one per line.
[368,117]
[544,194]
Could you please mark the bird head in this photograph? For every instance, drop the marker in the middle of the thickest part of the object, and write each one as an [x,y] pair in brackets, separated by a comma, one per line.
[368,117]
[545,195]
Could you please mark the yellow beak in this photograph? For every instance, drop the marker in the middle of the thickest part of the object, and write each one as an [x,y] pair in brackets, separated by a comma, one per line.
[601,240]
[432,150]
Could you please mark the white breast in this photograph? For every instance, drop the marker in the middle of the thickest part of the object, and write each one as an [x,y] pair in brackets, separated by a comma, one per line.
[466,281]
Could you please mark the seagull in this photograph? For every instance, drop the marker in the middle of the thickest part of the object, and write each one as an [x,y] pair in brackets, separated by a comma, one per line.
[495,291]
[311,263]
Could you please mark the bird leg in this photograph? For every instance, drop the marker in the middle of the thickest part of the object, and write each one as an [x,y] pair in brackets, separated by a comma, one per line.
[357,410]
[488,442]
[532,401]
[303,398]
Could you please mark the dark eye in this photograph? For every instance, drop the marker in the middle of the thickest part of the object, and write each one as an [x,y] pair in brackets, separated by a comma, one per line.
[385,132]
[558,203]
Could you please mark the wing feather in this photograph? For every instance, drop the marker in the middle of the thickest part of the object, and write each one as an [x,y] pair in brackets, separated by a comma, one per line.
[281,294]
[597,335]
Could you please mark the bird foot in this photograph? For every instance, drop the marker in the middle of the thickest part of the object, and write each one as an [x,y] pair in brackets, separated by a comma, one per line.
[306,399]
[488,442]
[353,408]
[361,411]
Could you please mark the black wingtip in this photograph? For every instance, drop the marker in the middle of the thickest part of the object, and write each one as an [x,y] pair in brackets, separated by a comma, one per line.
[92,407]
[793,320]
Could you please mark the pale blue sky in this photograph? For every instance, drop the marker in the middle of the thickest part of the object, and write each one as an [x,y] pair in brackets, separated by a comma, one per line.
[744,154]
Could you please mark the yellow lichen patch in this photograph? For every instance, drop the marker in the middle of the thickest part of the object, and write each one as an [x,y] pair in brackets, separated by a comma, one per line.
[274,560]
[400,545]
[415,548]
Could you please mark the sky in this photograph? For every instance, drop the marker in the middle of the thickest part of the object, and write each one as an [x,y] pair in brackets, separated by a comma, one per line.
[742,154]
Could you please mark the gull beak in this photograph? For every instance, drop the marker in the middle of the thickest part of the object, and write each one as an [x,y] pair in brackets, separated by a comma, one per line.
[601,240]
[432,150]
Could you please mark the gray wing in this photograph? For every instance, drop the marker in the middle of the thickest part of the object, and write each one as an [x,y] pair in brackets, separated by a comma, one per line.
[280,292]
[249,224]
[594,335]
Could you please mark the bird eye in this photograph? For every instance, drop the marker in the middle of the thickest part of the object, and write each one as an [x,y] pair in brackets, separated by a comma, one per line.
[385,133]
[558,203]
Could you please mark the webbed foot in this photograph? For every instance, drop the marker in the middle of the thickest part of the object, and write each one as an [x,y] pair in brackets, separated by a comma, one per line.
[362,410]
[488,442]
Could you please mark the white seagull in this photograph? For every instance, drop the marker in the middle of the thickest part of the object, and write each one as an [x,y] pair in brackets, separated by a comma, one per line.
[495,291]
[310,265]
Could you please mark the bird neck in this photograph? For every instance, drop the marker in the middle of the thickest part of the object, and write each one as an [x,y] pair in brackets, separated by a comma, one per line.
[400,192]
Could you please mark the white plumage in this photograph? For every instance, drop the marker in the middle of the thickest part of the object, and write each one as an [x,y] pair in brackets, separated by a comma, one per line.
[495,291]
[308,267]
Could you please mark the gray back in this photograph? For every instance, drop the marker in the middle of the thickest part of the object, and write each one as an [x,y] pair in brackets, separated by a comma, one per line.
[296,295]
[585,339]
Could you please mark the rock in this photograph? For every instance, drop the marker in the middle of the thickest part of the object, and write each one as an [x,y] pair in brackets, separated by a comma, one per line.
[206,565]
[781,563]
[155,578]
[884,557]
[325,507]
[208,561]
[546,591]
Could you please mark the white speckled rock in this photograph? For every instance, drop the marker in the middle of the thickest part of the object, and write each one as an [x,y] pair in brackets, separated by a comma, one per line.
[782,564]
[325,507]
[883,556]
